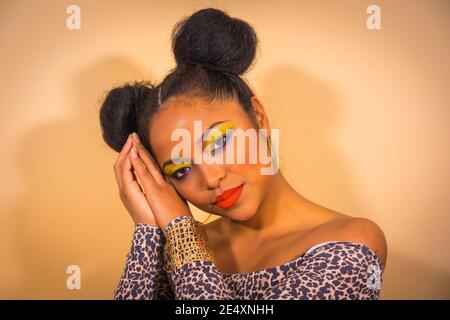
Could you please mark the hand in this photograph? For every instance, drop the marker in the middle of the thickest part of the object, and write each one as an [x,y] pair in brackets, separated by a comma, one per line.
[160,193]
[129,189]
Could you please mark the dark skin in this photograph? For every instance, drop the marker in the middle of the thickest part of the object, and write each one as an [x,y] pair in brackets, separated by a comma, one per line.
[269,215]
[235,252]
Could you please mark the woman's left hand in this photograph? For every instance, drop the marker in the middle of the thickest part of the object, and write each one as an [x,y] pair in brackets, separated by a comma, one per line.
[160,193]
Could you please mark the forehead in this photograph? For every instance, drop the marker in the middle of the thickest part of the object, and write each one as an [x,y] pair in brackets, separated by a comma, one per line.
[181,112]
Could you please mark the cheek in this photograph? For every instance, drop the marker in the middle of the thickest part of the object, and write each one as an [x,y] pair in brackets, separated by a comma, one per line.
[189,190]
[257,184]
[184,189]
[254,152]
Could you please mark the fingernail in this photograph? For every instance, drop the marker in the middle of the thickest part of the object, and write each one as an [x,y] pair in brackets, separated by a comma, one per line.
[136,136]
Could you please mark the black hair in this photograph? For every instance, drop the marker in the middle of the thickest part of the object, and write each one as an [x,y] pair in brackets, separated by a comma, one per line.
[212,51]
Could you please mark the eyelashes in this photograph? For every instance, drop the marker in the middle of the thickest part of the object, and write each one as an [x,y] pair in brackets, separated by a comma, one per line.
[217,145]
[174,170]
[181,173]
[217,132]
[214,141]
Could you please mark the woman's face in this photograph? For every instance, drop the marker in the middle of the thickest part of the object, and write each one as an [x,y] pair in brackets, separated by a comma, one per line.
[201,183]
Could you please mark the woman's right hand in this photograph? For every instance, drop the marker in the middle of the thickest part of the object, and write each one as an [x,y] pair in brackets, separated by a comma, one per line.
[130,191]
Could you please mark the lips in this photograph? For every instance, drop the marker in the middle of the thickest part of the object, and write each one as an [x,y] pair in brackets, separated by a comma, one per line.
[229,197]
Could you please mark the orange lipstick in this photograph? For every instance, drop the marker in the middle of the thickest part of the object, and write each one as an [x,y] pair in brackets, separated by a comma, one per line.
[229,197]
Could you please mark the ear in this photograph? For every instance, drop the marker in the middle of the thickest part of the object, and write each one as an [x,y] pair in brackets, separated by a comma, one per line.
[260,113]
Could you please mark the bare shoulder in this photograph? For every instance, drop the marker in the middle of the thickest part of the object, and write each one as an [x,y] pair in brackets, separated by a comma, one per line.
[359,230]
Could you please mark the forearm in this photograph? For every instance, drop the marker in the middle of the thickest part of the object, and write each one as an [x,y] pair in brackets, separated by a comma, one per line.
[144,276]
[190,264]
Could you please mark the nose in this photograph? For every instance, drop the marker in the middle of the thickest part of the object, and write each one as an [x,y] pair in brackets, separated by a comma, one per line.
[212,174]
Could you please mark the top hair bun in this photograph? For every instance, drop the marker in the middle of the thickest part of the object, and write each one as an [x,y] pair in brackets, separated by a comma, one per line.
[212,38]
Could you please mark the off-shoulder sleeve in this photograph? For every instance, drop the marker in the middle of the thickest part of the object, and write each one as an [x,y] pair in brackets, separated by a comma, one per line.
[334,271]
[144,277]
[191,264]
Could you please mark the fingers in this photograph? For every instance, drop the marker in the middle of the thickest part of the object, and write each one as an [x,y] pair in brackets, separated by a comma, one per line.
[119,162]
[137,179]
[144,175]
[148,160]
[129,179]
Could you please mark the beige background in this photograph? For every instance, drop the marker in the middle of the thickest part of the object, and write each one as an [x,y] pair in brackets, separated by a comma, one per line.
[364,120]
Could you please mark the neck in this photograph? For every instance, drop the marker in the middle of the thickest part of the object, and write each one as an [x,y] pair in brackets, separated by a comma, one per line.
[280,206]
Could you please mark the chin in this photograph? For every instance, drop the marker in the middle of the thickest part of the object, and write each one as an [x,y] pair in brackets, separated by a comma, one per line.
[241,213]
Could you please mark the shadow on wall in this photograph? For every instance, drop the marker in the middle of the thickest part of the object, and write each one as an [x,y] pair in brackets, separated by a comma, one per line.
[71,212]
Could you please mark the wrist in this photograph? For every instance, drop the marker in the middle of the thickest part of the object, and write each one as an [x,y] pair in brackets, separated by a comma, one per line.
[147,235]
[164,224]
[147,221]
[186,241]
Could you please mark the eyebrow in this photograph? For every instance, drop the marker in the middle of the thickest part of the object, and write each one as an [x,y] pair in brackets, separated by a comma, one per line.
[168,162]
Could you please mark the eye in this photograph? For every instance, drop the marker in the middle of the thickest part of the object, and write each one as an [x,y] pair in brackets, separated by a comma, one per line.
[180,173]
[220,142]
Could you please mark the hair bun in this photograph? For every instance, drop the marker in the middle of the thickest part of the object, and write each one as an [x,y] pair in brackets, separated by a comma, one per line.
[214,39]
[119,112]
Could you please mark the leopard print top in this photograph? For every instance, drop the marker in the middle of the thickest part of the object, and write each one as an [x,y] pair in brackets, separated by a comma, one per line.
[330,270]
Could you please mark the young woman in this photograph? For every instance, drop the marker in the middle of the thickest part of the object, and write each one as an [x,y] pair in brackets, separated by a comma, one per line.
[270,242]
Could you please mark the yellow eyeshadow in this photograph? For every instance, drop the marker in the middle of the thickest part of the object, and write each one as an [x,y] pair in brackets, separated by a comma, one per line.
[217,132]
[171,168]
